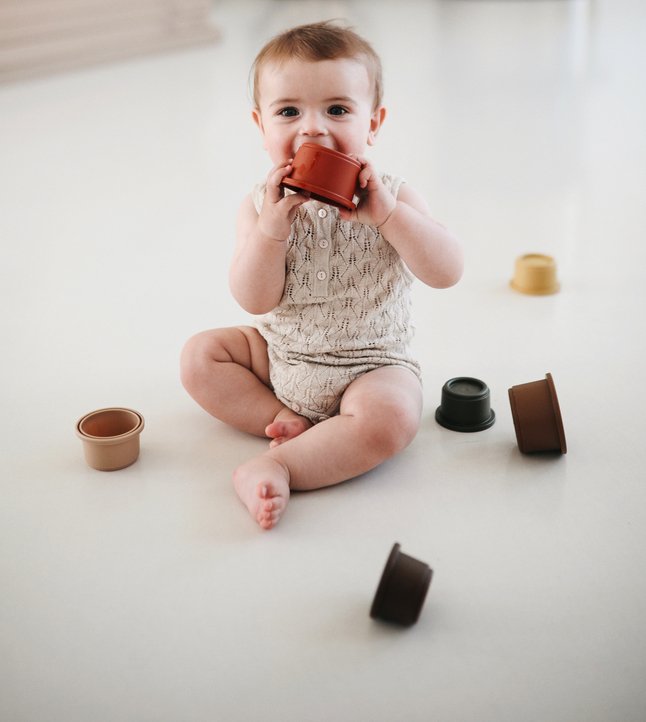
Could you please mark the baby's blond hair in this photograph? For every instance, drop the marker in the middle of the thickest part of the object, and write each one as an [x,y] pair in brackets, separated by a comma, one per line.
[319,41]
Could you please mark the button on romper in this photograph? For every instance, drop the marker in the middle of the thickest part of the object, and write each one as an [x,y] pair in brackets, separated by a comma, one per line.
[345,309]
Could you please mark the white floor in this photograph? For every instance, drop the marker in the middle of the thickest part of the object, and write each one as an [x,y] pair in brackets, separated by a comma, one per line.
[148,595]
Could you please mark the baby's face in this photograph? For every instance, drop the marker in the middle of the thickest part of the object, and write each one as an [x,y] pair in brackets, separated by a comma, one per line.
[329,102]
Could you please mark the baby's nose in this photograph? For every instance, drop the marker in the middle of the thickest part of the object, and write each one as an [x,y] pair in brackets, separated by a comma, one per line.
[313,124]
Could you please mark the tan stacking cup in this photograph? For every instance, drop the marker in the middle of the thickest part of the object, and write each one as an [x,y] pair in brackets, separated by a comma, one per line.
[110,437]
[535,274]
[537,416]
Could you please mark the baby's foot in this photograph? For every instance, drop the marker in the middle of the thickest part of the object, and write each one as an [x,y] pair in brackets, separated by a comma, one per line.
[286,426]
[263,486]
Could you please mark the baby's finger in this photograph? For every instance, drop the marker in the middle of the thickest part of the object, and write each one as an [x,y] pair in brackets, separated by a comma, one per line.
[293,200]
[278,172]
[366,173]
[275,178]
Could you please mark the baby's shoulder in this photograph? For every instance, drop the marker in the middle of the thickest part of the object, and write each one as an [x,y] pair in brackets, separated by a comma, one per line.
[392,182]
[258,195]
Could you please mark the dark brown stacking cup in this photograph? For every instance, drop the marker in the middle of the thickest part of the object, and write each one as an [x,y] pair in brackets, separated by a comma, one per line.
[402,589]
[537,416]
[465,405]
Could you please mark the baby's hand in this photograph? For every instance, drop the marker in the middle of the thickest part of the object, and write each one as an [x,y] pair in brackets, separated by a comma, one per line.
[376,203]
[278,209]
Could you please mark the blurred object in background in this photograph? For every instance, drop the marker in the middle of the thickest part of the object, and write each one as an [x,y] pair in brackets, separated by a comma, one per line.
[44,36]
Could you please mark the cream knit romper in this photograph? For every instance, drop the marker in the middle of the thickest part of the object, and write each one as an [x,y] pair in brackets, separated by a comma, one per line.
[345,309]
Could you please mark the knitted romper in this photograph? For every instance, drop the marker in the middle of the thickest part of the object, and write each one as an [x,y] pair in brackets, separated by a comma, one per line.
[345,309]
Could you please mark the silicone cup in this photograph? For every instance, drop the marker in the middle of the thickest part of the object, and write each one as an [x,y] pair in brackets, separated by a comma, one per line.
[324,174]
[465,405]
[402,589]
[110,437]
[537,416]
[535,274]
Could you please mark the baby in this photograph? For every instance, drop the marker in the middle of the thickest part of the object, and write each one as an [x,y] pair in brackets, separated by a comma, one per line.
[325,372]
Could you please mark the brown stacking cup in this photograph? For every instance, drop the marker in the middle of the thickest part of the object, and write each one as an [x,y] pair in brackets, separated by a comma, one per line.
[324,174]
[402,589]
[535,274]
[537,416]
[110,437]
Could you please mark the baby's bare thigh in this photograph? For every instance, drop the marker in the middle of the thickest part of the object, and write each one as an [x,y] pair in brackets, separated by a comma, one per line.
[385,391]
[242,345]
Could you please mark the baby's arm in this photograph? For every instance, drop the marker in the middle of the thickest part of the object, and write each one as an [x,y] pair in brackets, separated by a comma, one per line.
[257,273]
[427,248]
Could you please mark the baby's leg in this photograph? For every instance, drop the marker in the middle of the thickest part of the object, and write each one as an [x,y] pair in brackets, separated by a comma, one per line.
[227,372]
[379,416]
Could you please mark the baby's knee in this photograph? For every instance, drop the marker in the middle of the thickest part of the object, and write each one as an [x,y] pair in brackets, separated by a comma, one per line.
[391,427]
[194,358]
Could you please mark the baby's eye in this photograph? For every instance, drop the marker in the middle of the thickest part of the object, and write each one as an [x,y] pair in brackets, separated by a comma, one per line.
[288,112]
[337,110]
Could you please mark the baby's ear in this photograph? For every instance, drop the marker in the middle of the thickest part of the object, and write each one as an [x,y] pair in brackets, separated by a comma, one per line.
[257,119]
[376,121]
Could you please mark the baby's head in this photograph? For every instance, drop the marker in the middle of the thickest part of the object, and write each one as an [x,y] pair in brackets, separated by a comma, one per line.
[319,41]
[317,83]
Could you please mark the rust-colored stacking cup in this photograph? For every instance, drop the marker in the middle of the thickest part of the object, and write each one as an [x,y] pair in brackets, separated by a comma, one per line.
[535,274]
[537,416]
[324,174]
[110,437]
[402,589]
